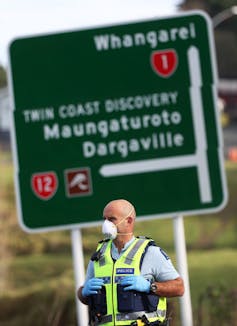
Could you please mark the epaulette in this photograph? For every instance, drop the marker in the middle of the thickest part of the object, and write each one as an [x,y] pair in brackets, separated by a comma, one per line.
[151,243]
[104,240]
[97,255]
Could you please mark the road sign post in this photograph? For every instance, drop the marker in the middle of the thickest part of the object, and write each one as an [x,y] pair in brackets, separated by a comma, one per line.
[182,265]
[79,272]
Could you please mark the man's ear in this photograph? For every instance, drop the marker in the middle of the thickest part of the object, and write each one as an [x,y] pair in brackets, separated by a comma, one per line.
[130,220]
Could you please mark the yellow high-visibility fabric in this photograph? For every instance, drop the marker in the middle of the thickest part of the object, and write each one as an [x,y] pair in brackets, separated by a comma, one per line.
[112,271]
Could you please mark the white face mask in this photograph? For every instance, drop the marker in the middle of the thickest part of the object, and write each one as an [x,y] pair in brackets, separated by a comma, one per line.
[110,230]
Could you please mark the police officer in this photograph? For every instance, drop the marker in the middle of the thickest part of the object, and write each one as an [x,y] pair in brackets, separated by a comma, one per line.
[128,278]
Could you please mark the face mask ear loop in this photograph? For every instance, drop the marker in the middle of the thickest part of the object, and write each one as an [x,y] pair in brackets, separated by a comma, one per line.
[131,210]
[123,220]
[124,233]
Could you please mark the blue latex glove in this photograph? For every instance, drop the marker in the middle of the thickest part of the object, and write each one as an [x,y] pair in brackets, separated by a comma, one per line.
[138,283]
[92,286]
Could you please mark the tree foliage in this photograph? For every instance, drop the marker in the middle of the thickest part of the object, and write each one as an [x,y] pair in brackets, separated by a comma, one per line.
[3,77]
[225,33]
[226,51]
[213,7]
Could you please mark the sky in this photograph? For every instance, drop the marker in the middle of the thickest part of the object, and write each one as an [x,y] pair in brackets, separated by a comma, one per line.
[32,17]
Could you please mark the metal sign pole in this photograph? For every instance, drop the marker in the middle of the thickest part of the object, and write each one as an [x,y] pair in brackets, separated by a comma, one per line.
[78,263]
[181,254]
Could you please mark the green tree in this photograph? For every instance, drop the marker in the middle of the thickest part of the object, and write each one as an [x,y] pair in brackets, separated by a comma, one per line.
[225,33]
[226,52]
[3,77]
[213,7]
[193,4]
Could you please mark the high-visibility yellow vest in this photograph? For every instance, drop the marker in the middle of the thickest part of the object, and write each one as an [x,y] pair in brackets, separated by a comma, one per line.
[112,272]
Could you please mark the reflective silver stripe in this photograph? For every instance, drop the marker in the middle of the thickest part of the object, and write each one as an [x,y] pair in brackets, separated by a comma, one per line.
[161,313]
[133,251]
[102,251]
[118,279]
[106,279]
[104,320]
[102,261]
[136,315]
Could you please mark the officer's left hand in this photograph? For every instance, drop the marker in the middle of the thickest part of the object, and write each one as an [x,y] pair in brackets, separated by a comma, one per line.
[138,283]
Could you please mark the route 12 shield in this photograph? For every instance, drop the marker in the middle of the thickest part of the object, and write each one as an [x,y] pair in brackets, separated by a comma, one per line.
[44,185]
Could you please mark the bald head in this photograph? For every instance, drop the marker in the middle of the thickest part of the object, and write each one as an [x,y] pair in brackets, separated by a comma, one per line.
[120,208]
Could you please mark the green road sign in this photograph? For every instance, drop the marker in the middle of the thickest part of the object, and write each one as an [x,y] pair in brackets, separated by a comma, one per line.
[122,111]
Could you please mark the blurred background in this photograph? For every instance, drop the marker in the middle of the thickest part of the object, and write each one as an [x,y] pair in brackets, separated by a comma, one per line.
[36,272]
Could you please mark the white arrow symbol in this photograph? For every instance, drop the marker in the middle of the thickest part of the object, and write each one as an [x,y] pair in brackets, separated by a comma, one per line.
[157,164]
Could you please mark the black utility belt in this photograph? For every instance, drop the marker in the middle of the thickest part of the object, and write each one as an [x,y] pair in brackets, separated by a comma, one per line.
[141,316]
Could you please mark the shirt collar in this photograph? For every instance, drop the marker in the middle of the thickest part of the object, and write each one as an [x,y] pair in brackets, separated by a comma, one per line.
[127,244]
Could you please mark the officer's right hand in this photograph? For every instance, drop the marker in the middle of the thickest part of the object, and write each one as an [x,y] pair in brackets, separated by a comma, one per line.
[92,286]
